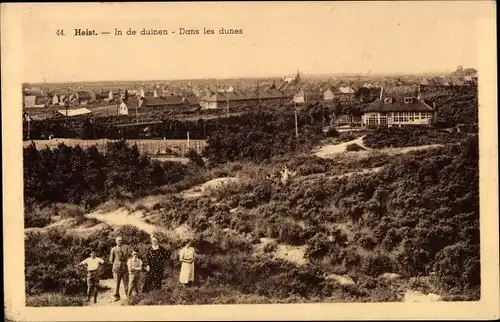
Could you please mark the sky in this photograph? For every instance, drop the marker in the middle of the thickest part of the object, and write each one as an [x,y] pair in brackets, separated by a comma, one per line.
[278,39]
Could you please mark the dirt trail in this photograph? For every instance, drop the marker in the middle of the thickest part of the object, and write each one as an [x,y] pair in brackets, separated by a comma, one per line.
[122,217]
[62,224]
[106,296]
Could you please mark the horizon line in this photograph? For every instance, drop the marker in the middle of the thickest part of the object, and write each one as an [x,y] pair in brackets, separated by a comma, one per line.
[305,75]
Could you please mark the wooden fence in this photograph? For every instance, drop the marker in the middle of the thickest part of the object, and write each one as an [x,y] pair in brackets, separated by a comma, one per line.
[150,147]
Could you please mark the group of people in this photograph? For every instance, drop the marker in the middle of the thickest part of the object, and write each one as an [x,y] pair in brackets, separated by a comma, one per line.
[127,268]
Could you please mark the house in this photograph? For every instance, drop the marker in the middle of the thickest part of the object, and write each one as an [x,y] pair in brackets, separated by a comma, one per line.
[203,99]
[343,94]
[425,82]
[399,106]
[190,101]
[63,99]
[123,108]
[466,75]
[215,101]
[130,105]
[307,96]
[457,82]
[222,99]
[173,100]
[29,101]
[347,119]
[34,101]
[161,102]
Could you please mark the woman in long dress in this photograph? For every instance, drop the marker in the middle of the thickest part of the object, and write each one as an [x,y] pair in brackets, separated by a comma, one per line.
[154,262]
[186,256]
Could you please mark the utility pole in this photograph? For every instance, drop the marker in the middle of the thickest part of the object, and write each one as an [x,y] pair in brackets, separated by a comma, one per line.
[227,107]
[258,92]
[188,141]
[66,106]
[29,126]
[323,112]
[296,125]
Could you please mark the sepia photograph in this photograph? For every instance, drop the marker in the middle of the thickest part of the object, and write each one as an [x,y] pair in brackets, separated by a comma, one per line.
[240,154]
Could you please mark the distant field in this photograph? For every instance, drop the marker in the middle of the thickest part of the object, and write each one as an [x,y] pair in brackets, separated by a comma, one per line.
[153,147]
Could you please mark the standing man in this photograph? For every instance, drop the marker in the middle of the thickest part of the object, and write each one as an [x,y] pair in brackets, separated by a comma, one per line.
[92,264]
[118,257]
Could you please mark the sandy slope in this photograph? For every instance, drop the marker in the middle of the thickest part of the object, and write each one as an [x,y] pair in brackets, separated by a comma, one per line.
[416,296]
[331,150]
[201,189]
[122,217]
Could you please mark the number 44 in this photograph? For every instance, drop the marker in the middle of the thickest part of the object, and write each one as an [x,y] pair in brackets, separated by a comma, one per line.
[60,32]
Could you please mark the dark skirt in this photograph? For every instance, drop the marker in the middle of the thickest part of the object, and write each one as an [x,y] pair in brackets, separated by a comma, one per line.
[153,280]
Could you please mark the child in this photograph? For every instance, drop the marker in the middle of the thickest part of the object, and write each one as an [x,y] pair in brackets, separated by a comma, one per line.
[134,270]
[92,263]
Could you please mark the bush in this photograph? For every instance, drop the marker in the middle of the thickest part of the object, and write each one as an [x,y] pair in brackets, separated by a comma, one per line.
[377,263]
[36,217]
[354,147]
[458,267]
[51,261]
[195,158]
[404,137]
[318,246]
[77,176]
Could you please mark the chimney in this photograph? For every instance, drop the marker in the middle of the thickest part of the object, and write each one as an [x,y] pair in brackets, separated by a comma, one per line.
[381,91]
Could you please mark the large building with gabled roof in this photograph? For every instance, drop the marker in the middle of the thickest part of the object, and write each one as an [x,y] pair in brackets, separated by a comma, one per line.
[399,106]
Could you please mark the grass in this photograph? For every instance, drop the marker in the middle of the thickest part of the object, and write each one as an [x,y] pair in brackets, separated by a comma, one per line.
[54,300]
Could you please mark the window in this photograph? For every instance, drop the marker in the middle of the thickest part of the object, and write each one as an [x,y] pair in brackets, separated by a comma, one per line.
[408,100]
[372,119]
[383,120]
[388,100]
[426,115]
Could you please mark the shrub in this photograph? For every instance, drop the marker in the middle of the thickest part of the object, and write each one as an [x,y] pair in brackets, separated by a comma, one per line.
[37,217]
[318,246]
[195,158]
[377,263]
[354,147]
[458,267]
